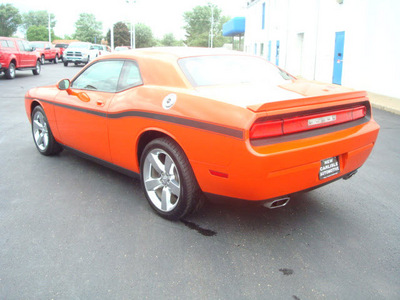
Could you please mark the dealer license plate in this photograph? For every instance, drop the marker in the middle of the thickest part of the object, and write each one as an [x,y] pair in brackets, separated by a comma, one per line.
[329,167]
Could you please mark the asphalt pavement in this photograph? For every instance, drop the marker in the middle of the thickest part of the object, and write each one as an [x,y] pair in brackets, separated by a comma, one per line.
[71,229]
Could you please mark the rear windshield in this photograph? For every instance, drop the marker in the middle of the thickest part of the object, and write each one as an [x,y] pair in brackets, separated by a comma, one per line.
[231,69]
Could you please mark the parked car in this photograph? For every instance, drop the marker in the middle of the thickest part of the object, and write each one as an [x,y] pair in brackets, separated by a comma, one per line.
[62,47]
[79,53]
[46,51]
[191,122]
[103,49]
[17,54]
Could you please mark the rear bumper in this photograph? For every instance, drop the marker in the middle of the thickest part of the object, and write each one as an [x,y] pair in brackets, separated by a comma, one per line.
[267,172]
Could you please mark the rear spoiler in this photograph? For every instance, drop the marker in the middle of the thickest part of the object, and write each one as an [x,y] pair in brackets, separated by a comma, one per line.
[287,104]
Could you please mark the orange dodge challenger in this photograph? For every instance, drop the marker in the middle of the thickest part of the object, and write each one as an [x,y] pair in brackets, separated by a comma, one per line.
[191,122]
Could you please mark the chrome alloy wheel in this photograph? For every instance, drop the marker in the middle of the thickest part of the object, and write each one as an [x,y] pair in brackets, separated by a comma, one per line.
[12,71]
[40,131]
[161,180]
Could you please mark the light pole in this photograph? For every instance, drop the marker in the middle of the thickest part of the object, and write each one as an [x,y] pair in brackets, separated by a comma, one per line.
[49,26]
[212,25]
[133,46]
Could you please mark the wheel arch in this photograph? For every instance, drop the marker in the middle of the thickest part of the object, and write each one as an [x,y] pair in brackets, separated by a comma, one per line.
[150,135]
[33,105]
[14,61]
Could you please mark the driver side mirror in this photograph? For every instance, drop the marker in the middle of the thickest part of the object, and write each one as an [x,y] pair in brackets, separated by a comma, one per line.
[64,84]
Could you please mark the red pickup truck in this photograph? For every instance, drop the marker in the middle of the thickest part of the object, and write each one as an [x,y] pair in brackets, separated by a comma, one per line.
[46,51]
[17,54]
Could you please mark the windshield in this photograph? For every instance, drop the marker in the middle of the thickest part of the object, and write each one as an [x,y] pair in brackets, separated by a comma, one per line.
[231,69]
[79,45]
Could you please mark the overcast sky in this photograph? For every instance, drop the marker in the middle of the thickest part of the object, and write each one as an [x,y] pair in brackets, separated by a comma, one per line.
[163,16]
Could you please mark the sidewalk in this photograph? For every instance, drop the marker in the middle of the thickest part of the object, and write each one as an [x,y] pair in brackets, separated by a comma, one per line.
[385,103]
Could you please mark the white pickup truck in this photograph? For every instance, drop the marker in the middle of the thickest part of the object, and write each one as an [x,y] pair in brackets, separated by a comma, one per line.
[79,53]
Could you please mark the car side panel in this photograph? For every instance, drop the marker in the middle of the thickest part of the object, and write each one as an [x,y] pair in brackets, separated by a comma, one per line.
[139,110]
[82,125]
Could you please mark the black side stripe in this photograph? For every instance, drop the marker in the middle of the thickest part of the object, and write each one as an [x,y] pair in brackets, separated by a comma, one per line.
[236,133]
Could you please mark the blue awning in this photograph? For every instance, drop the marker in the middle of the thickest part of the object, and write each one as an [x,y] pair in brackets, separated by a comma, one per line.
[234,26]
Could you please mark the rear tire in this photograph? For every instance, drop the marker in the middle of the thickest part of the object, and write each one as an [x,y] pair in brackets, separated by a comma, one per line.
[56,59]
[37,69]
[42,135]
[168,180]
[42,60]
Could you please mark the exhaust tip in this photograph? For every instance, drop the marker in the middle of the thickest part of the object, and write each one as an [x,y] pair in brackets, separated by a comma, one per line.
[351,174]
[277,203]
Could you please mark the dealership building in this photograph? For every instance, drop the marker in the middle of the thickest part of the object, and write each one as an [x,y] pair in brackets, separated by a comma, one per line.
[354,43]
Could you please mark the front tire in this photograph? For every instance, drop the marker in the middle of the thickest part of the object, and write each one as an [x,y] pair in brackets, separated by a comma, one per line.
[168,180]
[42,135]
[10,72]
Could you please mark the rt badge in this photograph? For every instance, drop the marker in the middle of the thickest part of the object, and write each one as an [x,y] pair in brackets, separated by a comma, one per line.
[169,101]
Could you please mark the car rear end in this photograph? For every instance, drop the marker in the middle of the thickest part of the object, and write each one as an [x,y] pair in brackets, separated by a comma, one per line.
[300,135]
[6,47]
[306,143]
[296,146]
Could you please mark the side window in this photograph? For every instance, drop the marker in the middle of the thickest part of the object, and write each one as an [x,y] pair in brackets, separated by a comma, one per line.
[21,46]
[4,44]
[102,76]
[27,46]
[130,76]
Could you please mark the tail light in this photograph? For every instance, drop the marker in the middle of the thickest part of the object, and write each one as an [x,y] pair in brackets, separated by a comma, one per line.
[283,126]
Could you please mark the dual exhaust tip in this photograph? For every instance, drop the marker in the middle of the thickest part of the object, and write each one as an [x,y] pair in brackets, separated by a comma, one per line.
[281,202]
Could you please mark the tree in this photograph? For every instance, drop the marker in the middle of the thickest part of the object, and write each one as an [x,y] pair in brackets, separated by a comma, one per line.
[198,26]
[88,29]
[144,36]
[169,40]
[37,33]
[40,33]
[122,36]
[10,19]
[38,18]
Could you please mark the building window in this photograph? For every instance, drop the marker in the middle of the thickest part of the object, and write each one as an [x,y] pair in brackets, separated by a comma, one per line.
[263,16]
[262,49]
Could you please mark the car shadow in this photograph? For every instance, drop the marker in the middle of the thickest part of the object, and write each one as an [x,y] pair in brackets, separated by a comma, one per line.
[228,219]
